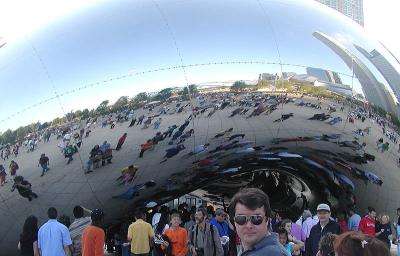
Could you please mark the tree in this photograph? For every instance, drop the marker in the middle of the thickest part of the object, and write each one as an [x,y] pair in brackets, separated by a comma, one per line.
[185,91]
[102,109]
[163,95]
[120,103]
[239,86]
[85,113]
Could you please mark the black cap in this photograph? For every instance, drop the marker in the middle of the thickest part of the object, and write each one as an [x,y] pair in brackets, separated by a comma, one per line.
[97,215]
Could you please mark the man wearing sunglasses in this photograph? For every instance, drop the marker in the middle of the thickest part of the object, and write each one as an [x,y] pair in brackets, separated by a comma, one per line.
[251,213]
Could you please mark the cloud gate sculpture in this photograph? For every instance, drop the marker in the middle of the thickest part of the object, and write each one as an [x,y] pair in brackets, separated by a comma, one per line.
[214,96]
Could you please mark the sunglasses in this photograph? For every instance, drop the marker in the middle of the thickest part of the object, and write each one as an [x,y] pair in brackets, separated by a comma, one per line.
[243,219]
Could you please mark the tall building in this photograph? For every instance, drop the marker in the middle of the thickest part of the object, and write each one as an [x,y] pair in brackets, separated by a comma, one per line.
[351,8]
[383,65]
[373,90]
[324,75]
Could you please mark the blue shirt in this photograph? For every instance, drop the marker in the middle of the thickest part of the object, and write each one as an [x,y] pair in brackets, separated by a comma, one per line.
[222,227]
[104,147]
[269,245]
[288,248]
[354,221]
[52,237]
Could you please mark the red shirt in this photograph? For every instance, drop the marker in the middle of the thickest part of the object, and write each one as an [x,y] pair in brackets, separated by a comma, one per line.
[367,226]
[344,225]
[93,241]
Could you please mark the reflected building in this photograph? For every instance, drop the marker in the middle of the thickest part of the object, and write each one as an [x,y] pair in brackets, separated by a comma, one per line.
[373,90]
[391,75]
[351,8]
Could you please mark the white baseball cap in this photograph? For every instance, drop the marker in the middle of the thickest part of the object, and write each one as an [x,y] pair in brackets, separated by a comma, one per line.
[323,207]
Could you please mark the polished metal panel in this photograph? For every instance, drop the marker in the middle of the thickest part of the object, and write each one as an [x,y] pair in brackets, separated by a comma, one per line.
[293,63]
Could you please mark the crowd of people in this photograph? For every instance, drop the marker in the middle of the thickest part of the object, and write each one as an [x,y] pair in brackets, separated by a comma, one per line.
[247,227]
[215,233]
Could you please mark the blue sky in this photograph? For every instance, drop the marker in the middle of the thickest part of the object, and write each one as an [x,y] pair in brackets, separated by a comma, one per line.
[71,48]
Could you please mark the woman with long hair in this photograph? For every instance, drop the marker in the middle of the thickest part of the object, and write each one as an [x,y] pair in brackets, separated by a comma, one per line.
[28,239]
[159,229]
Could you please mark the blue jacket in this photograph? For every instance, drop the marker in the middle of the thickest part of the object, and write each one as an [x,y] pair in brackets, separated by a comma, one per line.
[267,246]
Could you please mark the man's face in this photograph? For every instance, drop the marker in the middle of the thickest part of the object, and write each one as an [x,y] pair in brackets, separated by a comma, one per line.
[323,216]
[199,217]
[249,233]
[220,217]
[372,214]
[398,212]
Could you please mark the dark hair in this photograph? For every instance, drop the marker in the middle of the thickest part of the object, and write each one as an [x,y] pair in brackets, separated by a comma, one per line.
[164,220]
[78,211]
[64,219]
[371,209]
[139,214]
[252,198]
[30,229]
[398,209]
[283,231]
[203,211]
[284,222]
[52,213]
[358,244]
[325,245]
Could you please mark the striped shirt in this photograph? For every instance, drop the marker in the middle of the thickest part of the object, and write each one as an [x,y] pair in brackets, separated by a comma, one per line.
[76,229]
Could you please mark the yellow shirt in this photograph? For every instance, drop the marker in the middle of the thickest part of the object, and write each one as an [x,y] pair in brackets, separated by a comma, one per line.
[140,232]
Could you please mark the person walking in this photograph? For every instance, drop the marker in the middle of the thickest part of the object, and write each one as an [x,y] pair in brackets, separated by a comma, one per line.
[44,163]
[324,226]
[204,238]
[121,141]
[3,175]
[178,236]
[28,238]
[77,227]
[13,169]
[24,188]
[53,237]
[251,213]
[145,147]
[93,236]
[141,235]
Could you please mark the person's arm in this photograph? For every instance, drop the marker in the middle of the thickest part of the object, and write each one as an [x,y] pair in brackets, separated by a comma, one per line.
[66,250]
[228,220]
[129,235]
[35,249]
[88,211]
[297,245]
[217,242]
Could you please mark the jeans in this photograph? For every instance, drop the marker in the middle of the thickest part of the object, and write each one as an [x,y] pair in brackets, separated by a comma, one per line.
[44,168]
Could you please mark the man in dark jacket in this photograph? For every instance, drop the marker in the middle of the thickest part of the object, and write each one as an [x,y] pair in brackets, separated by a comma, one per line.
[324,226]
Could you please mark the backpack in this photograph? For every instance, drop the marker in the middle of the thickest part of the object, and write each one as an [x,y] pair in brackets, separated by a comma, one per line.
[212,237]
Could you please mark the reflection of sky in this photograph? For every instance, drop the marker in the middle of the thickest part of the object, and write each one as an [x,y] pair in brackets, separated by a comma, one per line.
[113,40]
